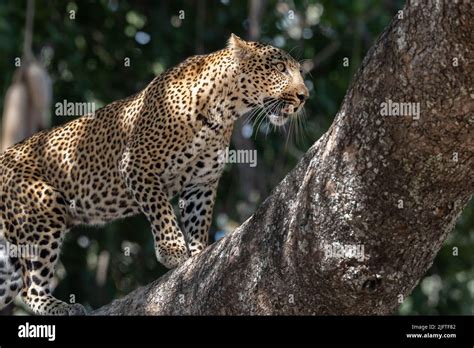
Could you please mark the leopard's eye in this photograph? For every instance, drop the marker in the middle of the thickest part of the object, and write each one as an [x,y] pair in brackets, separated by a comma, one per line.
[280,67]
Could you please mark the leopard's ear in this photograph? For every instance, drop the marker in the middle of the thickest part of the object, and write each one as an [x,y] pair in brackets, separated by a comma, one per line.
[239,47]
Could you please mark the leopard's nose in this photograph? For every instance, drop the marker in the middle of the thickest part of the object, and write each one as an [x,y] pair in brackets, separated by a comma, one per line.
[302,97]
[302,94]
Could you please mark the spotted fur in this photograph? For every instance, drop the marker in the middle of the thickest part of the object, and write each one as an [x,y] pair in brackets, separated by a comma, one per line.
[132,156]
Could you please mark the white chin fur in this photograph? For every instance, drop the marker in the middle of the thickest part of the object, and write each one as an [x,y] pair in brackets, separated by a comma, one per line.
[277,120]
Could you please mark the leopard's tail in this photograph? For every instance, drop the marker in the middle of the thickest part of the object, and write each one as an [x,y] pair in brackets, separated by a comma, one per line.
[10,273]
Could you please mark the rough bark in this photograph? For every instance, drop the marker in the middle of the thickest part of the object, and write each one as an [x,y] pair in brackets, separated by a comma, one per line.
[394,185]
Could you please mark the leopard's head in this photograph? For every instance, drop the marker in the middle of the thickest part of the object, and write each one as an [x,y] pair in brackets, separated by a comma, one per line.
[269,79]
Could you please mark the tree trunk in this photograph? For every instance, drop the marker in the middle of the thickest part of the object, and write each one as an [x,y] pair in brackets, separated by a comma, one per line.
[390,187]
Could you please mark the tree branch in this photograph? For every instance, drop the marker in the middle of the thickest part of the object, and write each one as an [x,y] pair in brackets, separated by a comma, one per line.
[391,186]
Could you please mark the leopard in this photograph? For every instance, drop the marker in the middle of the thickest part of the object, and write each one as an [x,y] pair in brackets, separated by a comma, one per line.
[134,156]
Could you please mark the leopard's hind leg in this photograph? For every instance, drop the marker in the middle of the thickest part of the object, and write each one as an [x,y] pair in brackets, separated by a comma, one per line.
[36,227]
[10,275]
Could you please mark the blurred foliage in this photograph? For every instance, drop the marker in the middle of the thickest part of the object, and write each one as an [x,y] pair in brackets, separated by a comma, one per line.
[86,56]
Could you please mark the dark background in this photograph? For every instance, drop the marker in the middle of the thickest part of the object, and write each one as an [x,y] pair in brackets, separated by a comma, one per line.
[85,58]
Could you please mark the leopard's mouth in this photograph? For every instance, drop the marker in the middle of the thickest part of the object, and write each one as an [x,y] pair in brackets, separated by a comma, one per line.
[278,120]
[278,111]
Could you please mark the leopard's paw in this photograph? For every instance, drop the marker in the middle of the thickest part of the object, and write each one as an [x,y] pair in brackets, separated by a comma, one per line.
[76,309]
[70,310]
[172,257]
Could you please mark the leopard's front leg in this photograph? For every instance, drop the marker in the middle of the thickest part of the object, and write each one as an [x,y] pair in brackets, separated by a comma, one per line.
[148,192]
[196,205]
